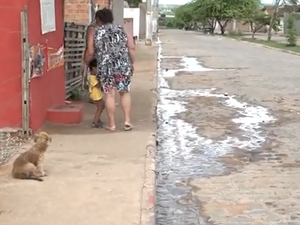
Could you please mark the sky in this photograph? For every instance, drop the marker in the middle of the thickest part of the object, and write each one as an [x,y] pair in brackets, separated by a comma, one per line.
[181,2]
[267,1]
[173,2]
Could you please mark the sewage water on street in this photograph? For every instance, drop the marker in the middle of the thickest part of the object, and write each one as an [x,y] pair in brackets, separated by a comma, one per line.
[183,155]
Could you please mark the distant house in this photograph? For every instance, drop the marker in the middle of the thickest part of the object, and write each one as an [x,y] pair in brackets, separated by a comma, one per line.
[282,14]
[83,11]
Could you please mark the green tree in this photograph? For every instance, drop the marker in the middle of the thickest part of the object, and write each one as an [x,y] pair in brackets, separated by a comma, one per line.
[134,3]
[162,19]
[223,11]
[184,14]
[277,5]
[291,29]
[250,10]
[174,23]
[259,20]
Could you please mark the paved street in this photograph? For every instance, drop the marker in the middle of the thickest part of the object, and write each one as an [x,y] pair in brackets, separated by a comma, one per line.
[229,131]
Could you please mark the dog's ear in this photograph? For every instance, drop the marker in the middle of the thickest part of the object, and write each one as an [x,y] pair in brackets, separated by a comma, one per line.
[45,136]
[36,137]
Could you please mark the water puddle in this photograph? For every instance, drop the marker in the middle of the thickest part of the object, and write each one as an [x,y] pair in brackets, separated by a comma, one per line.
[182,154]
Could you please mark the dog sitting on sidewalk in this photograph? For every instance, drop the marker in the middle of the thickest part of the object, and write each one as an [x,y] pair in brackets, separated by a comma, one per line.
[29,165]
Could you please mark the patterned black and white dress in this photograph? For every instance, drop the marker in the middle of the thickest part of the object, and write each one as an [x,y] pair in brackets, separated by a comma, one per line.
[112,54]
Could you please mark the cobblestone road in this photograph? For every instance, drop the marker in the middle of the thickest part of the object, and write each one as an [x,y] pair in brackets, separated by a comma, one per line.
[257,187]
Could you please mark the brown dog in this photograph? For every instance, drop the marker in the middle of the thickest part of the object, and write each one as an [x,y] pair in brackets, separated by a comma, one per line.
[29,165]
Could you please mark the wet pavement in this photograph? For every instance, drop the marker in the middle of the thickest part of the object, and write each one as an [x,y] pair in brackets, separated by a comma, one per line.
[227,133]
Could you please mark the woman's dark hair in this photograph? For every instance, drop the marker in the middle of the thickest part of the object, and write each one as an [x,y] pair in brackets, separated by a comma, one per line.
[93,63]
[105,15]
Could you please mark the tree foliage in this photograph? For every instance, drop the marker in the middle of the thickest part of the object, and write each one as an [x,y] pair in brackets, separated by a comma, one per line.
[260,20]
[174,23]
[134,3]
[224,11]
[277,5]
[212,12]
[291,29]
[221,12]
[185,14]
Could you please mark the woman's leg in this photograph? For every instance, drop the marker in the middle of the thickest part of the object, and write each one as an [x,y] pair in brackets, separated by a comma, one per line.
[123,87]
[110,106]
[125,99]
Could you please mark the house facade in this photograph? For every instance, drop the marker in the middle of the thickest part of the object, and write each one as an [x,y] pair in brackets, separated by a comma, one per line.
[83,11]
[32,78]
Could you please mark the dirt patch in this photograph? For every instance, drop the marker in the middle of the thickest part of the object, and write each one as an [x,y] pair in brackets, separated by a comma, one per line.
[202,80]
[212,119]
[171,63]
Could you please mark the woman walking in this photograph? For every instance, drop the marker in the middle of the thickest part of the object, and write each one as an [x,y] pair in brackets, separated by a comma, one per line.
[114,50]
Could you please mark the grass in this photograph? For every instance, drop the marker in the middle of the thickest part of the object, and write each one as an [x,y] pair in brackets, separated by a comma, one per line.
[274,44]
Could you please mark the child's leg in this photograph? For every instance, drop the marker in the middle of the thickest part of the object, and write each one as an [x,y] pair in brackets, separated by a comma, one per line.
[98,112]
[100,107]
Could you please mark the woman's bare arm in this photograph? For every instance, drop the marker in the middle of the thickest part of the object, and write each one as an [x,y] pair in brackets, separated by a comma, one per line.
[89,50]
[131,46]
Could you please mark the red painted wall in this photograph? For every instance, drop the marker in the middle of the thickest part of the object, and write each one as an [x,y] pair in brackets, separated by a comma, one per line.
[49,89]
[10,64]
[45,91]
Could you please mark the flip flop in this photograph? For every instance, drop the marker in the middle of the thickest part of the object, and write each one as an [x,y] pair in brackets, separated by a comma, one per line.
[96,125]
[127,127]
[111,129]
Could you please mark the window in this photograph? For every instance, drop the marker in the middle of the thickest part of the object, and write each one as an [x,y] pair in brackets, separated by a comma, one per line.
[47,16]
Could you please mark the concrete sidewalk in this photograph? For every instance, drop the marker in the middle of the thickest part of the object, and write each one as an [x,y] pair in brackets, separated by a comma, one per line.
[95,177]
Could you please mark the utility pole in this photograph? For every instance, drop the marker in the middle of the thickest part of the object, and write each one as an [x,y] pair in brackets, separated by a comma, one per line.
[118,11]
[149,23]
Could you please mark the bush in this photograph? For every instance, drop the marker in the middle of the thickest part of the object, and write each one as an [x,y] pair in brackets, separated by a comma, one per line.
[291,30]
[235,33]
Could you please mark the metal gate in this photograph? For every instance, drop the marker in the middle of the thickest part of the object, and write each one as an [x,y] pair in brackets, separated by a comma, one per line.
[25,73]
[74,43]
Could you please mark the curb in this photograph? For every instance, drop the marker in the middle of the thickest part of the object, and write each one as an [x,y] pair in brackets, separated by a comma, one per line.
[265,46]
[148,190]
[147,211]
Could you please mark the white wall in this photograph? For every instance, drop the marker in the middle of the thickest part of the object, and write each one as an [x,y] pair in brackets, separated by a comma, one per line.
[135,14]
